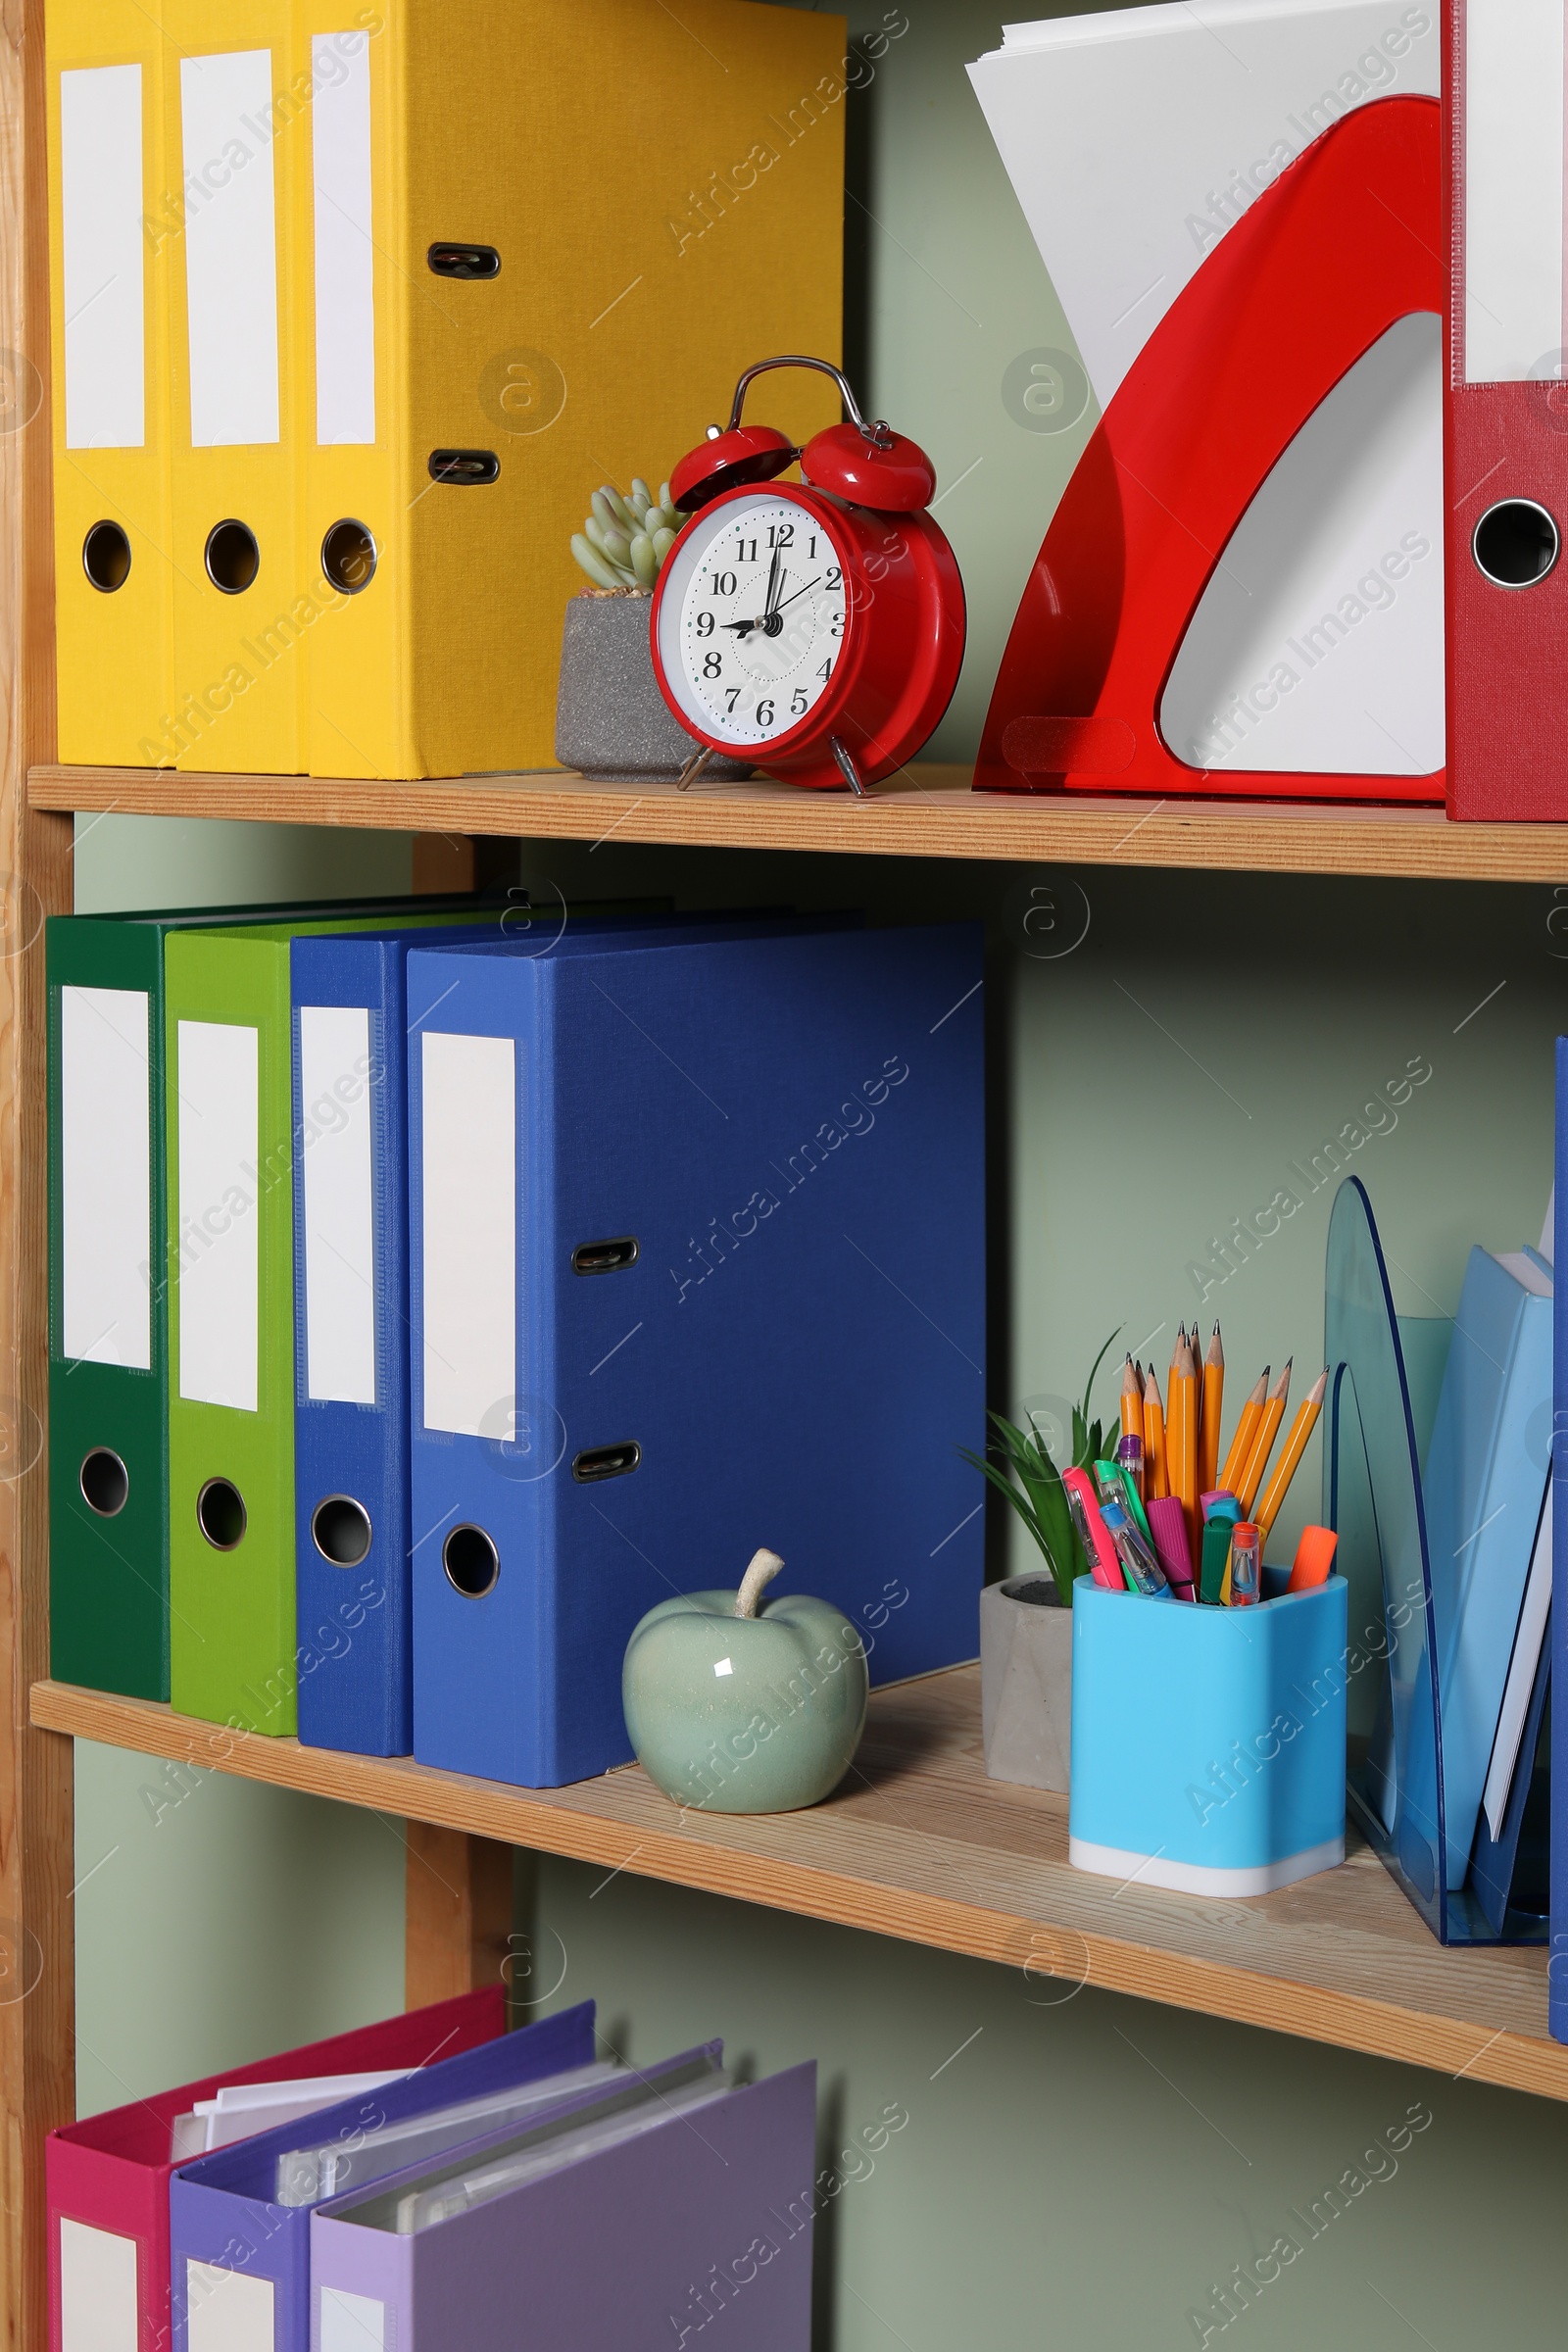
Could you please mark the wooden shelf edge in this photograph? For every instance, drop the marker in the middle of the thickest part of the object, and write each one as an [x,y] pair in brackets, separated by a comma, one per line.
[619,1823]
[928,811]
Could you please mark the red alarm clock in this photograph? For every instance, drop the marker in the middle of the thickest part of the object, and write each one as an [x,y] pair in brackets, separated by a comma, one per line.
[816,628]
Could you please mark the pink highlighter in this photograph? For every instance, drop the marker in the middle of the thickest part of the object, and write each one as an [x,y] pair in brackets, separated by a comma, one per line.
[1167,1524]
[1093,1532]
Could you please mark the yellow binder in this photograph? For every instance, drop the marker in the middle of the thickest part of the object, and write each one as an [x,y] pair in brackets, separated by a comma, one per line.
[515,251]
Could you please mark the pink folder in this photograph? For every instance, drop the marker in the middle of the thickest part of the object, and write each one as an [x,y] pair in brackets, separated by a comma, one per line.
[108,2178]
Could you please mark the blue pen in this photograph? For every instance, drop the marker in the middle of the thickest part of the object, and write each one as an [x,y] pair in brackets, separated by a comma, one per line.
[1142,1570]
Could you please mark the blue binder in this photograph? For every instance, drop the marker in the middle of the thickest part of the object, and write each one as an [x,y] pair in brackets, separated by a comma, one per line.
[697,1257]
[354,1535]
[1557,1966]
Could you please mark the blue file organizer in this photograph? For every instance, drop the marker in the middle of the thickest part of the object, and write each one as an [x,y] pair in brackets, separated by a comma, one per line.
[1386,1370]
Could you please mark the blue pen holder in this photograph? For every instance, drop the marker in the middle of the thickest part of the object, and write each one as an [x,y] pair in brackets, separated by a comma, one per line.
[1208,1744]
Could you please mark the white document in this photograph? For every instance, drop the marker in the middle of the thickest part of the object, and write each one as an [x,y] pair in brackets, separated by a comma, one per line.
[230,247]
[469,1145]
[345,253]
[105,1177]
[220,1220]
[243,2108]
[226,2311]
[97,2289]
[1318,640]
[351,2322]
[338,1186]
[1135,140]
[1512,180]
[101,208]
[1521,1677]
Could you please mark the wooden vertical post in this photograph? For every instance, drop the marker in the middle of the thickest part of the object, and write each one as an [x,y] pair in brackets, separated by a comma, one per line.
[37,1963]
[458,1920]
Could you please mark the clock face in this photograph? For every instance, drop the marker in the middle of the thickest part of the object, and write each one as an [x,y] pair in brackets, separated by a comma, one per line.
[751,627]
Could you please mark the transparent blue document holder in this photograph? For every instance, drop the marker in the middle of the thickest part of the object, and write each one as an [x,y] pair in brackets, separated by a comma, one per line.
[1386,1371]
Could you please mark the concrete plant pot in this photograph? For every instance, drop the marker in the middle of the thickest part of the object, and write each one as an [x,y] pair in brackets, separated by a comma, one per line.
[611,719]
[1026,1682]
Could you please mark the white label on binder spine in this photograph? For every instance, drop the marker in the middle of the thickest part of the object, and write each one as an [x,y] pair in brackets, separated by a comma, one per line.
[101,207]
[351,2322]
[219,1216]
[468,1141]
[231,240]
[1512,117]
[105,1178]
[97,2289]
[337,1178]
[345,255]
[226,2311]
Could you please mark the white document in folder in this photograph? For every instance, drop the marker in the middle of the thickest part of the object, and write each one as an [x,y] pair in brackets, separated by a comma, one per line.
[1135,140]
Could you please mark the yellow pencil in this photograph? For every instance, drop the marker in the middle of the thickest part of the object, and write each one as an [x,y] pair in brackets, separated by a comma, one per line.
[1176,1405]
[1285,1469]
[1246,1432]
[1132,1403]
[1213,1403]
[1154,1459]
[1184,1474]
[1263,1444]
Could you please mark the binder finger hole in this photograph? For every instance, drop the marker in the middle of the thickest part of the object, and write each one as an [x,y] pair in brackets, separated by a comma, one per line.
[106,557]
[605,1257]
[221,1514]
[464,261]
[105,1481]
[605,1461]
[464,465]
[471,1560]
[347,556]
[340,1528]
[233,557]
[1516,543]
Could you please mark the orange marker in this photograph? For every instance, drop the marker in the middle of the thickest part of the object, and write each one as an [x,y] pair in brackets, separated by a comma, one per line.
[1268,1428]
[1285,1469]
[1314,1558]
[1213,1403]
[1246,1432]
[1155,1457]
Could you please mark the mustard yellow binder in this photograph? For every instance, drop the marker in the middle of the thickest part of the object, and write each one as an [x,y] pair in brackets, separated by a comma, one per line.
[110,410]
[406,296]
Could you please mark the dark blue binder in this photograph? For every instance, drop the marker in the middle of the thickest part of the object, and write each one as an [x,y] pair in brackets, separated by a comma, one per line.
[353,1530]
[697,1256]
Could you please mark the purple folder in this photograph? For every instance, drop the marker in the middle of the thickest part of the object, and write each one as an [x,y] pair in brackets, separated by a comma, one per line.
[704,2217]
[239,2262]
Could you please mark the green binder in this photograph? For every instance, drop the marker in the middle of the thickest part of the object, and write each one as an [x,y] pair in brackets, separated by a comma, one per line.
[108,1276]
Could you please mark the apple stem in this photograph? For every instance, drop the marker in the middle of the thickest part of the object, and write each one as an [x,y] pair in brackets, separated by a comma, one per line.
[764,1566]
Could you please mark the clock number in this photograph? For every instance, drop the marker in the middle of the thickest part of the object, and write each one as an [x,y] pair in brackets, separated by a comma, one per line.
[705,624]
[798,703]
[780,535]
[734,694]
[764,715]
[748,555]
[837,630]
[714,664]
[810,553]
[724,585]
[826,670]
[834,579]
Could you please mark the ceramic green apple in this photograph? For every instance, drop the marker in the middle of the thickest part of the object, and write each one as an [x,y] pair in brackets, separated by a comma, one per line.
[737,1705]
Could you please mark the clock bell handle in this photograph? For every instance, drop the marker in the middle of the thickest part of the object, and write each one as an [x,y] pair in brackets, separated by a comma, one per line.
[877,432]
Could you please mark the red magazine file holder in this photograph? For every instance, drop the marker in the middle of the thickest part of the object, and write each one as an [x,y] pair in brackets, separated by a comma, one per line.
[1342,246]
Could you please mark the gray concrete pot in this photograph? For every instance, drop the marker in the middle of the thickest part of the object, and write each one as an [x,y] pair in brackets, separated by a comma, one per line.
[611,719]
[1026,1682]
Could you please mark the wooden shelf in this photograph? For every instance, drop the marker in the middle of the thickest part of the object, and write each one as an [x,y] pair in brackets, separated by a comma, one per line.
[919,1844]
[927,812]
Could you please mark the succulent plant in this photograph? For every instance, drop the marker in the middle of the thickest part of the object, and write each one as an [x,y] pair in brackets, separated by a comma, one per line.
[624,540]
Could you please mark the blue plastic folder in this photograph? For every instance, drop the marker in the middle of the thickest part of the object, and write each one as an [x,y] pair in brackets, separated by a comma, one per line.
[354,1536]
[239,2261]
[697,1265]
[1485,1474]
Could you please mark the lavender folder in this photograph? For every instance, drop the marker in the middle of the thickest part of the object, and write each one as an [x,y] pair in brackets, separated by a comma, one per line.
[239,2267]
[699,2228]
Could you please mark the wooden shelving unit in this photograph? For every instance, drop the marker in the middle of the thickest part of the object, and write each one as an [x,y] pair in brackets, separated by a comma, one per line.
[926,811]
[919,1844]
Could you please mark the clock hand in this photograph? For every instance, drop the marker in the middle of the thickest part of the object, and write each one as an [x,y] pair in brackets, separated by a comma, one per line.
[775,583]
[788,600]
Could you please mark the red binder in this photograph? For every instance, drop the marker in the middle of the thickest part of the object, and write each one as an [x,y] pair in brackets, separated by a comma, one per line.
[1505,434]
[1342,245]
[108,2178]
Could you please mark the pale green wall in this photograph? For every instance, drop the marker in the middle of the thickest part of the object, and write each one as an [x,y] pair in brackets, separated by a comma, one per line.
[1084,2170]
